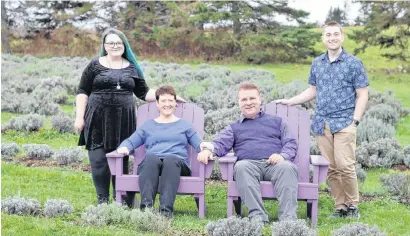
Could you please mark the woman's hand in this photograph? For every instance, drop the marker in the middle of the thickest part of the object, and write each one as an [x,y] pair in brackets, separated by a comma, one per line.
[123,150]
[79,124]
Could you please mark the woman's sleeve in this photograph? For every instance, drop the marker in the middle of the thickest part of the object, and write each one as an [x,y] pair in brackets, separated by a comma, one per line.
[141,88]
[134,141]
[193,139]
[86,81]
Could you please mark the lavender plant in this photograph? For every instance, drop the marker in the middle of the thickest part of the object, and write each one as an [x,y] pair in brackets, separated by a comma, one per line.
[38,151]
[358,229]
[67,156]
[397,184]
[292,228]
[234,226]
[63,123]
[20,206]
[57,207]
[380,153]
[28,123]
[9,150]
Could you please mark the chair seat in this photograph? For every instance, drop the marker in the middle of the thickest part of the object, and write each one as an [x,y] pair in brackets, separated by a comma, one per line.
[188,185]
[306,191]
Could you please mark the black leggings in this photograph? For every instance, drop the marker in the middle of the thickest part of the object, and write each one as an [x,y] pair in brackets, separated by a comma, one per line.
[101,175]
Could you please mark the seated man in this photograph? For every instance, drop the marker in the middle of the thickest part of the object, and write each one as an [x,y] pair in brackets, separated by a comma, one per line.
[265,152]
[165,139]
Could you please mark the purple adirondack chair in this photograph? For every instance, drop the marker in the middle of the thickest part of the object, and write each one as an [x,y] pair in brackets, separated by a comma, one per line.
[191,185]
[299,126]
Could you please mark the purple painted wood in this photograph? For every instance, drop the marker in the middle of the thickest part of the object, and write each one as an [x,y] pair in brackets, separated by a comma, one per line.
[304,146]
[194,185]
[299,126]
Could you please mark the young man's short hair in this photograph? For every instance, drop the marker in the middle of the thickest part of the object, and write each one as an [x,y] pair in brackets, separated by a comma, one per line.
[333,23]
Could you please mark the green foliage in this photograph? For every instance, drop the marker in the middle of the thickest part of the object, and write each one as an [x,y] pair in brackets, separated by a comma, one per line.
[387,26]
[337,14]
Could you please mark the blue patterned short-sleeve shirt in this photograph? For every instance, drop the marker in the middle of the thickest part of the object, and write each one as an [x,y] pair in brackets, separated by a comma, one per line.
[336,83]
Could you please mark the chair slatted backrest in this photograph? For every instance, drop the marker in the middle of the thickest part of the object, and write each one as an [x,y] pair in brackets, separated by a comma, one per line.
[187,111]
[299,127]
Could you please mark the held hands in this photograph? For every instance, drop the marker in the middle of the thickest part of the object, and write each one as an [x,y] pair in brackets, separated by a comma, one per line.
[206,152]
[204,156]
[123,150]
[275,159]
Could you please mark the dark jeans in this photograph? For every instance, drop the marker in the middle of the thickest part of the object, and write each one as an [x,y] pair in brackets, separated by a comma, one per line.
[170,169]
[101,175]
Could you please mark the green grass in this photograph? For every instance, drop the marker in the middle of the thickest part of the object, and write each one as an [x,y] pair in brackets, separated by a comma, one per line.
[43,183]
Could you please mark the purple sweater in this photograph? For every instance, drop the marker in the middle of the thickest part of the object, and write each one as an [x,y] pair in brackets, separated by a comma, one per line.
[257,138]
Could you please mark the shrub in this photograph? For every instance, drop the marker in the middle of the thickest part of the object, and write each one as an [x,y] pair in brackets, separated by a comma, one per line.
[94,215]
[111,214]
[397,184]
[68,156]
[361,174]
[294,88]
[292,228]
[9,149]
[358,229]
[314,149]
[104,214]
[381,153]
[38,151]
[406,156]
[387,97]
[233,226]
[149,221]
[372,129]
[385,113]
[31,122]
[215,121]
[62,123]
[56,207]
[20,206]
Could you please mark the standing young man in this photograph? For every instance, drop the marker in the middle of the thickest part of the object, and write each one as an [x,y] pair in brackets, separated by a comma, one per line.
[339,83]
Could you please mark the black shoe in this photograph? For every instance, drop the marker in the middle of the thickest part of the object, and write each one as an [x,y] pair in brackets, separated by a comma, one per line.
[339,213]
[353,212]
[103,199]
[166,214]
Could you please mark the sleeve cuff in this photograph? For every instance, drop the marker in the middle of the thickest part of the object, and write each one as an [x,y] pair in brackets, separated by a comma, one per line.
[285,156]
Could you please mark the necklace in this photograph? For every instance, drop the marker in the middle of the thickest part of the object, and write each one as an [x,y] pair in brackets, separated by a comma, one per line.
[109,66]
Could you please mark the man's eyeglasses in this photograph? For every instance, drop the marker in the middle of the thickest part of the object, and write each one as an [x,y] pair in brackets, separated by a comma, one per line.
[113,44]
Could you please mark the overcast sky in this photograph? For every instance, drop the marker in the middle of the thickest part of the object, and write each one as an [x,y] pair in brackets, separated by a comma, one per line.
[318,9]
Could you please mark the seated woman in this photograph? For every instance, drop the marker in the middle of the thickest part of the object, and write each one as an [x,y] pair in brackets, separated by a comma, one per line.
[165,139]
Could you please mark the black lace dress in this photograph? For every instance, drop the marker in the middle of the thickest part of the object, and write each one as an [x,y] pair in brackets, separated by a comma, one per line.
[110,114]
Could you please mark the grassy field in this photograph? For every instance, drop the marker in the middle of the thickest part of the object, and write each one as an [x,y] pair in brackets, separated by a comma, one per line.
[43,183]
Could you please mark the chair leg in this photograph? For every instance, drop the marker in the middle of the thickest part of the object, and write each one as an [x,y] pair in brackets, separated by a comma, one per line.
[314,213]
[238,207]
[118,197]
[230,203]
[201,210]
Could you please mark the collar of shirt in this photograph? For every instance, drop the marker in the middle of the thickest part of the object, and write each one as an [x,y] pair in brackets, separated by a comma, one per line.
[341,57]
[260,114]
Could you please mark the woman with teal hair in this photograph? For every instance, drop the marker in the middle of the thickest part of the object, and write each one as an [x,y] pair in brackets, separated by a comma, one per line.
[105,107]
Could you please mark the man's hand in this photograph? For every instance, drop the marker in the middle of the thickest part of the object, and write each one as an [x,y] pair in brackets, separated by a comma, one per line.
[123,150]
[204,156]
[275,159]
[283,101]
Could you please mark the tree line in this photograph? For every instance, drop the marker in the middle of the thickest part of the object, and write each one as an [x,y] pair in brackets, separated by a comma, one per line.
[246,30]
